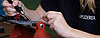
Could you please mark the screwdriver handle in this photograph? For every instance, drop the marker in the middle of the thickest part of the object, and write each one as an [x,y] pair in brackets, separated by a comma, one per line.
[10,1]
[18,9]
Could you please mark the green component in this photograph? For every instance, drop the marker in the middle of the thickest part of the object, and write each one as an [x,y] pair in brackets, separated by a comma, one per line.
[31,4]
[52,33]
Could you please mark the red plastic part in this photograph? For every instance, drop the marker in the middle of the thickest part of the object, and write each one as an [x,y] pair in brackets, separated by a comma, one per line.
[16,17]
[20,32]
[41,32]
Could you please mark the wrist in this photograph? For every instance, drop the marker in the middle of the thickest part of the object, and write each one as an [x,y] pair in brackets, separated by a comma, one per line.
[32,15]
[69,33]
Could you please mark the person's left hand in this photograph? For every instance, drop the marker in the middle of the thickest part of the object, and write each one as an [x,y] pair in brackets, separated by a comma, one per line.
[57,22]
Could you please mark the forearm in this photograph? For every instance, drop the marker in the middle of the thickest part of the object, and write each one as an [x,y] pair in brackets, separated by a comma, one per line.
[74,33]
[35,14]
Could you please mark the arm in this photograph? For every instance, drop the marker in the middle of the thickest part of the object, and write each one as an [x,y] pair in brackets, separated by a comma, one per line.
[71,31]
[81,34]
[58,23]
[36,14]
[32,14]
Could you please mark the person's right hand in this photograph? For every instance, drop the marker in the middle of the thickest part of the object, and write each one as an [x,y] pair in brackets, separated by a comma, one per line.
[9,8]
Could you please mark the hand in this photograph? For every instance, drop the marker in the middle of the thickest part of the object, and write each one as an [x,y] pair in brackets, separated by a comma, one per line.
[9,8]
[57,22]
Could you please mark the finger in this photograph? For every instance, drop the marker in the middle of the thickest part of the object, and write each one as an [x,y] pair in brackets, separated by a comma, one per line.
[52,27]
[50,15]
[45,17]
[10,9]
[54,12]
[10,13]
[15,2]
[20,4]
[6,3]
[51,21]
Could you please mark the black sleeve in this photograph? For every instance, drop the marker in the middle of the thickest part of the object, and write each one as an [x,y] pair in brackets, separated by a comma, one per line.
[49,5]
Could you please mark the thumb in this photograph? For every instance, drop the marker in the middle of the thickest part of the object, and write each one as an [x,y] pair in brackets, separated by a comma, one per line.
[15,2]
[45,18]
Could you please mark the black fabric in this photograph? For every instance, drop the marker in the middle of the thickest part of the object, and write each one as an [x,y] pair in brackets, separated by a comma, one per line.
[86,21]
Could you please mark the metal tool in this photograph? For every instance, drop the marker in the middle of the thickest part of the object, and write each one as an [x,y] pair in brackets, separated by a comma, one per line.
[22,22]
[26,22]
[19,9]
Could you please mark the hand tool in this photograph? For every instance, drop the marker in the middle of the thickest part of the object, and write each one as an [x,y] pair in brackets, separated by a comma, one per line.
[19,9]
[22,22]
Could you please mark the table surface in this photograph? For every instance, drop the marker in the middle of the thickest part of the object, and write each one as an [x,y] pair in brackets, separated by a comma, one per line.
[7,28]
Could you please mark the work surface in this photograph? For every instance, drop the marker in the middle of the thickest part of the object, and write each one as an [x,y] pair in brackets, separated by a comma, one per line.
[7,28]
